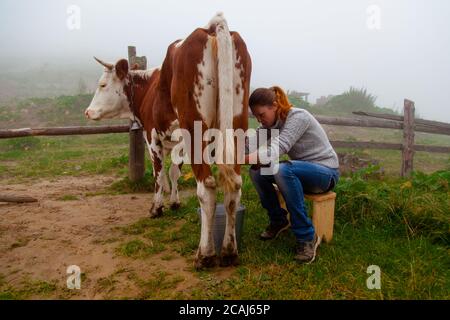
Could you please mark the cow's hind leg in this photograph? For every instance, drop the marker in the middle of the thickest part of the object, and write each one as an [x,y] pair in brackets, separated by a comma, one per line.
[206,191]
[157,157]
[232,196]
[174,173]
[165,181]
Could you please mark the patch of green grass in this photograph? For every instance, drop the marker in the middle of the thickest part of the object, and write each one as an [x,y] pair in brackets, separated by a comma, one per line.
[138,227]
[106,284]
[160,286]
[68,197]
[125,185]
[24,143]
[167,257]
[140,249]
[419,205]
[105,241]
[268,270]
[27,289]
[70,155]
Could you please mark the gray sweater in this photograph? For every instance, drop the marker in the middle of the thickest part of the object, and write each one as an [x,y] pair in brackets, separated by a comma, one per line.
[301,137]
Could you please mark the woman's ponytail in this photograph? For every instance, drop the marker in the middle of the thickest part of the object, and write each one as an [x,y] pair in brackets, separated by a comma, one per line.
[283,102]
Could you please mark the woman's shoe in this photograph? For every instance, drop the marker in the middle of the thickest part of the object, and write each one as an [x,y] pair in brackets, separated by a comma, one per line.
[273,230]
[306,250]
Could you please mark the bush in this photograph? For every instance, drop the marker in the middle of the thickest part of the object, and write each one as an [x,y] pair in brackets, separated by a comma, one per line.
[355,100]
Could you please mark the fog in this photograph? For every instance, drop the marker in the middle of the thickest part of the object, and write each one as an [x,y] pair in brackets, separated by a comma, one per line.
[395,48]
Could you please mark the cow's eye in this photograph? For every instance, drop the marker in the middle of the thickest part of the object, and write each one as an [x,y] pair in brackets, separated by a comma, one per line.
[102,85]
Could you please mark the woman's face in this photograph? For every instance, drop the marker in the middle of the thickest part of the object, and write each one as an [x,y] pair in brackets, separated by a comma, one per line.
[266,115]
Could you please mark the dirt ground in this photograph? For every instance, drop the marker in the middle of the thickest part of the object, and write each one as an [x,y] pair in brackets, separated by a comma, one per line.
[38,241]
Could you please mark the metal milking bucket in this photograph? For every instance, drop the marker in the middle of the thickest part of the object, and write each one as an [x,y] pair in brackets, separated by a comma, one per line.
[220,222]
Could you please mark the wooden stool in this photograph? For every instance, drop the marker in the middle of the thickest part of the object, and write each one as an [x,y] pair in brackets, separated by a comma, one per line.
[322,212]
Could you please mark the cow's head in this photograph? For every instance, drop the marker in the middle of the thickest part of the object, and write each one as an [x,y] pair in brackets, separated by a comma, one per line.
[110,100]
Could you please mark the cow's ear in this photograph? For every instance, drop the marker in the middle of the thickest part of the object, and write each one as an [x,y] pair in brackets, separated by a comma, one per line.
[121,68]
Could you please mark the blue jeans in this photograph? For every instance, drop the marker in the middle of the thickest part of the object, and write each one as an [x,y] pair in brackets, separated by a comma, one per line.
[293,178]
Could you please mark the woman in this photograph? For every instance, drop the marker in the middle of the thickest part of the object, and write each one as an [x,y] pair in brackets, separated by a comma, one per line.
[313,167]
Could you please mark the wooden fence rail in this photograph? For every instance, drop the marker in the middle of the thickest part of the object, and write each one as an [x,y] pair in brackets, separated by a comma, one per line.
[62,131]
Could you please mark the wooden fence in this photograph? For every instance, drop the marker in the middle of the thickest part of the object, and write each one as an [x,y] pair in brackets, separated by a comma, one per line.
[407,123]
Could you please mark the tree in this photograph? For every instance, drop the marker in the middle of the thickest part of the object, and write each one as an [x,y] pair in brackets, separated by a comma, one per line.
[352,100]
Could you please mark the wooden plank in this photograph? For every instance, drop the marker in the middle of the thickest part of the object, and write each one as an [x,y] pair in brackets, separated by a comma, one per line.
[408,138]
[17,199]
[323,219]
[387,146]
[429,129]
[352,122]
[436,149]
[62,131]
[394,117]
[366,145]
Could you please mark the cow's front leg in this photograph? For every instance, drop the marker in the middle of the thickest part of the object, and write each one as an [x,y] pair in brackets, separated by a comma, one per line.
[232,197]
[206,254]
[165,181]
[156,152]
[174,173]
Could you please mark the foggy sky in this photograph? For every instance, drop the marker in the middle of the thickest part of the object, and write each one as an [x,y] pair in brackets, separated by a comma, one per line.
[321,47]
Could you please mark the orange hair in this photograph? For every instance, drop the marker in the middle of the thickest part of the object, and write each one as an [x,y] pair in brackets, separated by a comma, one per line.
[282,101]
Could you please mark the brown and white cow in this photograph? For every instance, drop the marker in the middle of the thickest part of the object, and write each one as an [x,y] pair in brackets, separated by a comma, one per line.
[205,77]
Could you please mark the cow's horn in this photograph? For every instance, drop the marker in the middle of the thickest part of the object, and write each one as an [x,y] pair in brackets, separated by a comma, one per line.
[107,65]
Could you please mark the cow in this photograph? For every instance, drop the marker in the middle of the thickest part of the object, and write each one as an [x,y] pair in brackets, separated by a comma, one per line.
[203,79]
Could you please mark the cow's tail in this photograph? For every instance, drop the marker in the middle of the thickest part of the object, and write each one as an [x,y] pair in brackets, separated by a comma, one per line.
[225,69]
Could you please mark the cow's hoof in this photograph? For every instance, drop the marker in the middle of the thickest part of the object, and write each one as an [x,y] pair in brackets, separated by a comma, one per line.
[202,262]
[227,260]
[156,212]
[175,206]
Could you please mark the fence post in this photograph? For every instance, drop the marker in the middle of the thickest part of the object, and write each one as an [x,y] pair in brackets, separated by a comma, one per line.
[136,161]
[408,138]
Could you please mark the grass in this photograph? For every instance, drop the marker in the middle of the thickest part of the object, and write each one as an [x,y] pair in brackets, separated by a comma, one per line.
[47,157]
[27,289]
[68,197]
[139,248]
